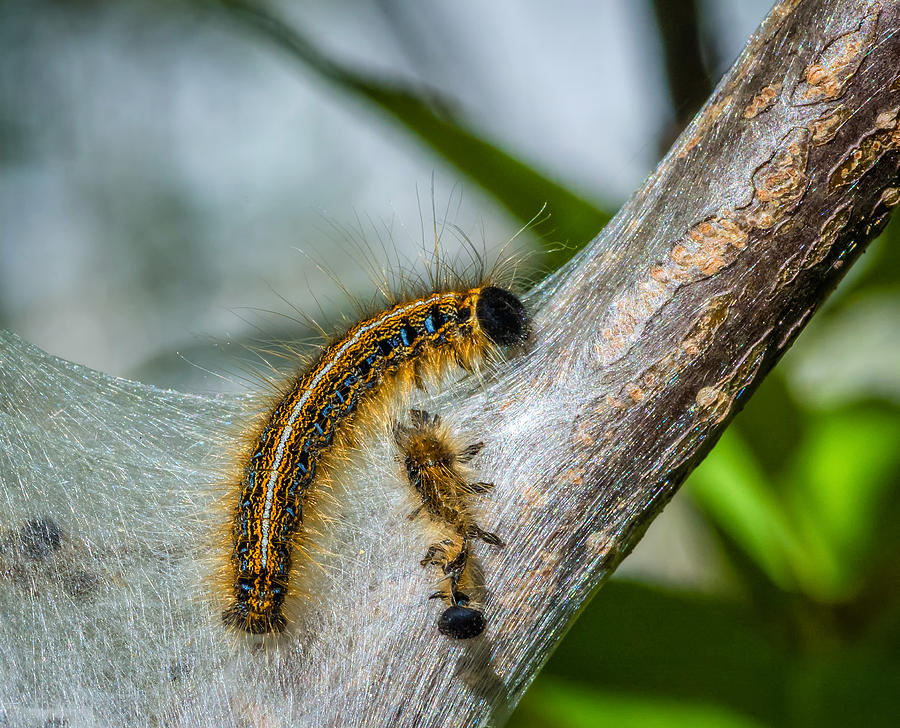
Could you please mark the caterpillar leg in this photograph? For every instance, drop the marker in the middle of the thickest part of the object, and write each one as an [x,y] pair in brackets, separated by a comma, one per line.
[480,487]
[459,620]
[436,555]
[422,419]
[470,452]
[455,568]
[486,536]
[452,557]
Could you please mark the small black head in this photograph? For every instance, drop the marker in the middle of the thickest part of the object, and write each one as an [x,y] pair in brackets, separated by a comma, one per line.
[501,316]
[461,623]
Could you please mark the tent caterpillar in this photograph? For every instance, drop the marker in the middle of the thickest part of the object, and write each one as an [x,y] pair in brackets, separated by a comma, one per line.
[435,467]
[378,357]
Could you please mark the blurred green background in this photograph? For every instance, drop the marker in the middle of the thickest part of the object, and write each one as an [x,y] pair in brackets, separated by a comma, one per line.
[160,161]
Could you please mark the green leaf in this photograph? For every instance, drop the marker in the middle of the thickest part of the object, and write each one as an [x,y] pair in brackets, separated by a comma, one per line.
[846,688]
[731,490]
[846,472]
[771,425]
[850,356]
[812,527]
[673,647]
[553,703]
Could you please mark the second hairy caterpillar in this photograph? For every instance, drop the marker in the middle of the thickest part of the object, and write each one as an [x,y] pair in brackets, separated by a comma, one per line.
[435,466]
[390,350]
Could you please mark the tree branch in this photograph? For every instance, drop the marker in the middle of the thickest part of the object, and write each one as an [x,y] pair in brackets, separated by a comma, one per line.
[645,346]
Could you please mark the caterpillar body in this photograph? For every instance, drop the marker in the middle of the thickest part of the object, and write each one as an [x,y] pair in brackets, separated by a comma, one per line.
[435,467]
[405,344]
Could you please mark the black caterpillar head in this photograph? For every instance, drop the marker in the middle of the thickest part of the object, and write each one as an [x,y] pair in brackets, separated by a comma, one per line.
[502,316]
[461,623]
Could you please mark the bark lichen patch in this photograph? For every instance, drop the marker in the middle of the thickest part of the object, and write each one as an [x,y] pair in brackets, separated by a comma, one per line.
[665,369]
[887,120]
[704,328]
[762,101]
[881,210]
[712,403]
[890,196]
[716,111]
[742,375]
[783,179]
[600,543]
[634,392]
[627,315]
[788,271]
[534,498]
[828,235]
[884,138]
[826,78]
[782,11]
[688,146]
[709,246]
[730,388]
[524,599]
[824,129]
[715,402]
[780,183]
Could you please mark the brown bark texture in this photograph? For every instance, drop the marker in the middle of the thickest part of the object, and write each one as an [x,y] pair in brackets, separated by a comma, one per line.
[644,347]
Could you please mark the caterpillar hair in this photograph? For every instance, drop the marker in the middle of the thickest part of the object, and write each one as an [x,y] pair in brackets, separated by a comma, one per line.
[312,425]
[435,466]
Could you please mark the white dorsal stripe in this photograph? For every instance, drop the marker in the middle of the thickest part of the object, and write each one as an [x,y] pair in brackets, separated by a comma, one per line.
[298,406]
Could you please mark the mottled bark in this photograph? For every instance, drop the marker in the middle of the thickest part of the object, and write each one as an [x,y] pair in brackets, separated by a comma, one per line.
[644,348]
